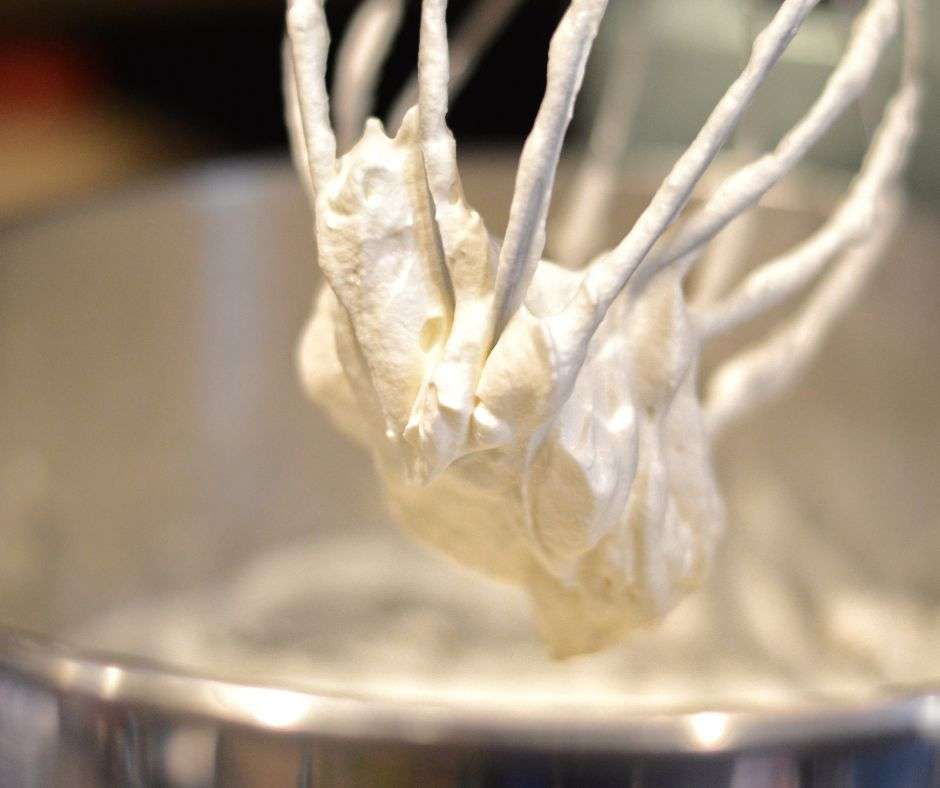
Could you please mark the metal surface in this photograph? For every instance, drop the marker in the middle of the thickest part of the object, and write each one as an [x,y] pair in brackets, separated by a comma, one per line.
[152,437]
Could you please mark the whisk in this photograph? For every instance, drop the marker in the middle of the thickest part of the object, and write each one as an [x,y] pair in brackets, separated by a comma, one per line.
[546,424]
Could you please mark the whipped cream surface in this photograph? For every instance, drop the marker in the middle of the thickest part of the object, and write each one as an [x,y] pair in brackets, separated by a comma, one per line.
[599,500]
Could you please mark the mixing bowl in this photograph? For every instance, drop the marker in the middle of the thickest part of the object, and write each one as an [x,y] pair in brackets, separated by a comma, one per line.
[199,585]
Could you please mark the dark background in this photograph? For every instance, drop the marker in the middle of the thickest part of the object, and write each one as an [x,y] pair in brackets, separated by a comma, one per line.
[96,92]
[213,69]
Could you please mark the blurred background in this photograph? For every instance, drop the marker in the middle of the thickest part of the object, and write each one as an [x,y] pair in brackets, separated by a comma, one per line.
[98,93]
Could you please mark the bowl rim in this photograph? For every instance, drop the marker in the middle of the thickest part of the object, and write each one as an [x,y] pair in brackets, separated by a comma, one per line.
[117,680]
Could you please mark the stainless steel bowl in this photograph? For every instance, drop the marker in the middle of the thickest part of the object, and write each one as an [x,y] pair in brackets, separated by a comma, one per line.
[190,554]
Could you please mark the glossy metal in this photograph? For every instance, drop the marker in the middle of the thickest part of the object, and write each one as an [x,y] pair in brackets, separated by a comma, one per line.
[151,436]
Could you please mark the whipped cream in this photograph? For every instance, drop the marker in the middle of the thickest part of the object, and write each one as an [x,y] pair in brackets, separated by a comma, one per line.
[604,505]
[538,423]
